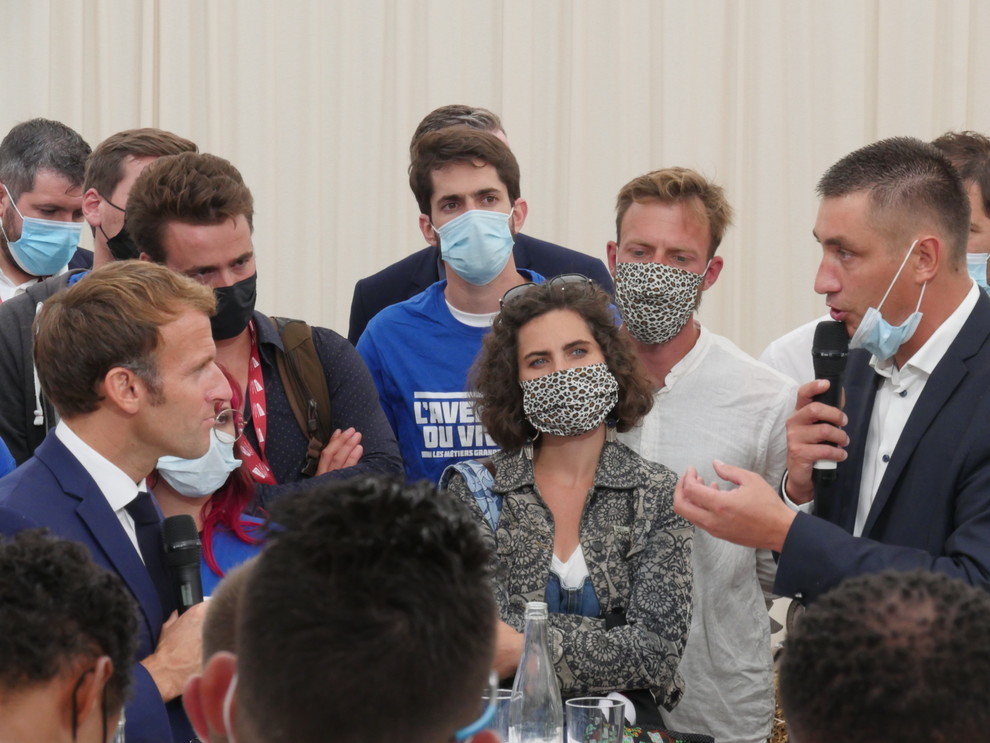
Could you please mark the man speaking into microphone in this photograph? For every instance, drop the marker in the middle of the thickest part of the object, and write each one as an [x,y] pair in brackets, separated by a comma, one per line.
[912,444]
[127,358]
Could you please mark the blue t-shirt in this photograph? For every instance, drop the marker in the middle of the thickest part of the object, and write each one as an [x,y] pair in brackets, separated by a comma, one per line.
[229,550]
[7,463]
[419,356]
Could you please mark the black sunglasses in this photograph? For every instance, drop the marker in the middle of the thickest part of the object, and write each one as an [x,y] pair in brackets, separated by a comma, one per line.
[563,280]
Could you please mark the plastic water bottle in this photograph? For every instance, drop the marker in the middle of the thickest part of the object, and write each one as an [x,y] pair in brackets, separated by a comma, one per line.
[536,714]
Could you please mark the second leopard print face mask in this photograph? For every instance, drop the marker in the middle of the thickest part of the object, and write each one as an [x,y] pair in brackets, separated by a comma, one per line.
[570,401]
[655,300]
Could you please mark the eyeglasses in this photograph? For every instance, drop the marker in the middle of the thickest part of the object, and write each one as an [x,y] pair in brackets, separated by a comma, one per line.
[486,716]
[563,280]
[228,425]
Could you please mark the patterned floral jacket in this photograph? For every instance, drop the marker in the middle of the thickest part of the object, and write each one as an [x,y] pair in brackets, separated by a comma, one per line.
[638,553]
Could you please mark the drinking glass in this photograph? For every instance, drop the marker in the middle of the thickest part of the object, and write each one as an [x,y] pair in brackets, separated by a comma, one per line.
[594,720]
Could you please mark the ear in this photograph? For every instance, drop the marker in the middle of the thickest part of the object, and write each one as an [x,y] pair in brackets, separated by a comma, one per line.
[91,207]
[426,227]
[89,695]
[612,253]
[485,736]
[205,693]
[931,253]
[124,389]
[520,210]
[711,275]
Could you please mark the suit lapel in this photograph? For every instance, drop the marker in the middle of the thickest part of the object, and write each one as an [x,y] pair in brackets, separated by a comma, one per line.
[105,528]
[942,383]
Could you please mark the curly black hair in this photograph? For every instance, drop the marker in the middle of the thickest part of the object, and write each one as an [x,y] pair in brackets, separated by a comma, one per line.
[56,606]
[887,657]
[495,373]
[378,590]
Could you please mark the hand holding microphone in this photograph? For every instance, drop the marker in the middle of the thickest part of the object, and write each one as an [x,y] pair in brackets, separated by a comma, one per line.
[829,351]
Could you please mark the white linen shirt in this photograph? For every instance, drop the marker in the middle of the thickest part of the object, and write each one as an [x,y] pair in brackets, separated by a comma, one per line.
[720,403]
[115,484]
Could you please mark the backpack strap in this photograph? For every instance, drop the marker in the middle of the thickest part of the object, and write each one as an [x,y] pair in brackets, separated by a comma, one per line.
[479,476]
[305,385]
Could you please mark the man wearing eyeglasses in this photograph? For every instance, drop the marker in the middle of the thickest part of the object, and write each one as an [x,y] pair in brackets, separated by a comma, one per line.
[466,183]
[128,360]
[712,402]
[68,634]
[369,616]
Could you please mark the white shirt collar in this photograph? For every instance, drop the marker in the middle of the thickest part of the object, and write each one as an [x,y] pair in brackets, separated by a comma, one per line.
[690,360]
[9,289]
[926,358]
[115,484]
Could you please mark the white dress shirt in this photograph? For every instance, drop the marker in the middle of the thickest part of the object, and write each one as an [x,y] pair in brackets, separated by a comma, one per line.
[791,353]
[896,398]
[115,484]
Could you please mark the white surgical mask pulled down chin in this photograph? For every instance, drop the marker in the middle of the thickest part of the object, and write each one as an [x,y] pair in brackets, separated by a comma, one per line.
[656,300]
[476,244]
[878,336]
[198,478]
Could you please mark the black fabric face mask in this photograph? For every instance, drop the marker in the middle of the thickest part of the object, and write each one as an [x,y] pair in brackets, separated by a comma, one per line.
[122,246]
[235,304]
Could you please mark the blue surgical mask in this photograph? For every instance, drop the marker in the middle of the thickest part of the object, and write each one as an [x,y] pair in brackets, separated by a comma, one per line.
[976,265]
[476,245]
[198,478]
[877,335]
[45,246]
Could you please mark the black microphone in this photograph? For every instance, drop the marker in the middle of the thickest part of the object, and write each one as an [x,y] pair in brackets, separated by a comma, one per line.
[182,553]
[828,354]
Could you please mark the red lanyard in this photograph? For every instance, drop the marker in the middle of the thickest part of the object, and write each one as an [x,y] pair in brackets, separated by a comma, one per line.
[256,463]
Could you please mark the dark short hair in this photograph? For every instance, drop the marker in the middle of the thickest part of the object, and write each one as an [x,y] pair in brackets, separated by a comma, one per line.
[192,188]
[105,167]
[496,370]
[456,114]
[890,657]
[679,186]
[220,624]
[460,144]
[111,318]
[368,590]
[58,606]
[41,144]
[911,186]
[969,152]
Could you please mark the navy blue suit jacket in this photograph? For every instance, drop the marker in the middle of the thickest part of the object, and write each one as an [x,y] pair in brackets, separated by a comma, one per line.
[411,275]
[53,489]
[932,507]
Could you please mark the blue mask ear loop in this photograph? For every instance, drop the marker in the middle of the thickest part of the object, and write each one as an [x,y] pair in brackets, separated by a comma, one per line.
[894,280]
[486,717]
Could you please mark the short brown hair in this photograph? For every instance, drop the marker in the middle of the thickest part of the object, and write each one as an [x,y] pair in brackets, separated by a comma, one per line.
[104,167]
[969,152]
[191,188]
[456,114]
[111,318]
[220,623]
[496,370]
[460,144]
[679,186]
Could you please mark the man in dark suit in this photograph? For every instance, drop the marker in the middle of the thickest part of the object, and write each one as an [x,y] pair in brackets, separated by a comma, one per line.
[411,275]
[127,358]
[912,487]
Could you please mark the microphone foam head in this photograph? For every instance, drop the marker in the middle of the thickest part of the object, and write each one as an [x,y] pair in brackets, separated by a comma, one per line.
[830,336]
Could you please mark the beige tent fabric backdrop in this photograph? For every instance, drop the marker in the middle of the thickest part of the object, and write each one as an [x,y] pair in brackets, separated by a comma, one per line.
[315,101]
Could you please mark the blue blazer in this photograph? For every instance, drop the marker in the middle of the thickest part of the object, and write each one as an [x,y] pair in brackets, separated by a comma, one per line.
[53,489]
[932,508]
[411,275]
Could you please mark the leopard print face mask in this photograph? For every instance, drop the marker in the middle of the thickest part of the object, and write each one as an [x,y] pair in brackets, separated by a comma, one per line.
[655,300]
[570,401]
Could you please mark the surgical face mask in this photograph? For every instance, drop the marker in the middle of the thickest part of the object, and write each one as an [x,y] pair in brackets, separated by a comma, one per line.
[976,265]
[198,478]
[570,401]
[655,300]
[878,336]
[45,246]
[476,245]
[235,305]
